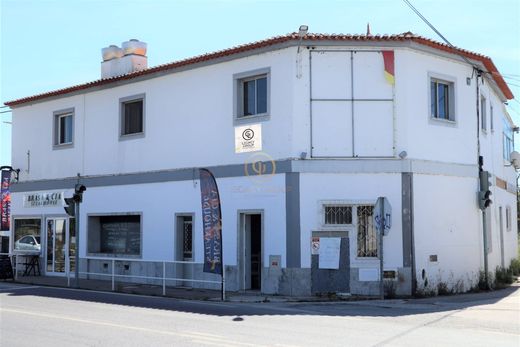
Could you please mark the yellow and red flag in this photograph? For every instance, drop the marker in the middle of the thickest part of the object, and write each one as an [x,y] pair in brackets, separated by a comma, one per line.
[388,58]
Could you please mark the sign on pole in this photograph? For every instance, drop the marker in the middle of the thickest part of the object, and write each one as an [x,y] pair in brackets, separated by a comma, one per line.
[385,217]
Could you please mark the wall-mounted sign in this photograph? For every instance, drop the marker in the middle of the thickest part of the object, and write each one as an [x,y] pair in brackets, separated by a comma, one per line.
[248,138]
[315,245]
[329,253]
[43,199]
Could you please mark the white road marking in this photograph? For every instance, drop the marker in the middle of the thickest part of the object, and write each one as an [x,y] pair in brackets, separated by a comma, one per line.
[17,288]
[207,338]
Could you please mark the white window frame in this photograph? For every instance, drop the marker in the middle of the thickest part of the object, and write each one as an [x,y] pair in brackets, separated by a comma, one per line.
[57,116]
[452,99]
[238,95]
[122,115]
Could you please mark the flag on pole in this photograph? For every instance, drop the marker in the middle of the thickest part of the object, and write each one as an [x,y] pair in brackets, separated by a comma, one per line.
[5,201]
[212,222]
[388,57]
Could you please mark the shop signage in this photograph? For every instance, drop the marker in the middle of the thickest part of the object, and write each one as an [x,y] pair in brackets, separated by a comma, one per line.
[43,199]
[248,138]
[5,200]
[212,222]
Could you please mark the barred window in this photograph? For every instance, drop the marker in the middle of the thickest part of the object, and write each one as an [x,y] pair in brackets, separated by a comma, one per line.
[338,215]
[366,232]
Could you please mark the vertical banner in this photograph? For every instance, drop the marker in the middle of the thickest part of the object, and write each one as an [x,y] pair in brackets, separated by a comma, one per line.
[5,201]
[388,57]
[212,222]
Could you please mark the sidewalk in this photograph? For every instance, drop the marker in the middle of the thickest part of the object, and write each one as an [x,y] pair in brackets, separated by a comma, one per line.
[256,297]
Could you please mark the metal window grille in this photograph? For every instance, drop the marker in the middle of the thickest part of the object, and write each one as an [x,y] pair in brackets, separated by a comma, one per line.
[338,214]
[366,233]
[187,243]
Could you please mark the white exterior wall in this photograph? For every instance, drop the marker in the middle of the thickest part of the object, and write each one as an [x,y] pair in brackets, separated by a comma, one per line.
[447,223]
[191,110]
[159,202]
[355,189]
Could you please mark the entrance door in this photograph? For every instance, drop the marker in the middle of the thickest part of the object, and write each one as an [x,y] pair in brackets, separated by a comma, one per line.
[184,249]
[251,254]
[59,260]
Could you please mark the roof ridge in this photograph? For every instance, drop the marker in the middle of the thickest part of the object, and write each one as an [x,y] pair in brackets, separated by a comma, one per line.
[271,41]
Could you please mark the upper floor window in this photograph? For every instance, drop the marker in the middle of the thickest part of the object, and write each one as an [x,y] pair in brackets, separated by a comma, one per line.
[132,115]
[491,121]
[63,127]
[252,93]
[442,99]
[507,141]
[483,113]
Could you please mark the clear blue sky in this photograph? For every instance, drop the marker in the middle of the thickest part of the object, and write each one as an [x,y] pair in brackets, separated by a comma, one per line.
[46,45]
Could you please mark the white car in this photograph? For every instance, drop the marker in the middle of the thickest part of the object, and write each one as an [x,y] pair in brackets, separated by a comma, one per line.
[28,243]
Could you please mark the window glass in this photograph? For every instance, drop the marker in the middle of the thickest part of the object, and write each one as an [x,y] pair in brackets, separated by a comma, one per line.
[483,114]
[65,129]
[27,234]
[187,244]
[261,92]
[338,215]
[366,233]
[441,100]
[249,98]
[133,117]
[114,234]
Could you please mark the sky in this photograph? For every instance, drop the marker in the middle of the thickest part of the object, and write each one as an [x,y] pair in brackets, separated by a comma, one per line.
[51,44]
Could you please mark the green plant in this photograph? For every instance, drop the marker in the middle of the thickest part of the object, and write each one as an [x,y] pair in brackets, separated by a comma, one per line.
[515,266]
[443,289]
[503,276]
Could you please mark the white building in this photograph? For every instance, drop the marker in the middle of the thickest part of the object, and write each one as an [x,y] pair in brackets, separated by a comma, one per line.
[336,135]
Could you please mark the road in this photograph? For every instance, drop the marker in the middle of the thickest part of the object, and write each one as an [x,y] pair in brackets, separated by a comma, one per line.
[46,316]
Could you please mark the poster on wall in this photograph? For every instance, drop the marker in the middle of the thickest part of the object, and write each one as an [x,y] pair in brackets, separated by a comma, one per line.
[5,203]
[329,253]
[212,222]
[248,138]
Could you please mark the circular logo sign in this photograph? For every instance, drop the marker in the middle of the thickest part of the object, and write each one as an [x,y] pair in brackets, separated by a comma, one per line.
[248,134]
[260,167]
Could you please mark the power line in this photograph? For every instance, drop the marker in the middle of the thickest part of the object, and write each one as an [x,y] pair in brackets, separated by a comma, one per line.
[438,33]
[6,111]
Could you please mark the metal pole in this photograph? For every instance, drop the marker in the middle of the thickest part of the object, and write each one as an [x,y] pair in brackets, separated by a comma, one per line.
[223,284]
[484,231]
[163,278]
[113,277]
[381,232]
[76,269]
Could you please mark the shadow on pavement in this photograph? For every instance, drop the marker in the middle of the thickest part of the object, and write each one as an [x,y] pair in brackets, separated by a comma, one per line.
[238,310]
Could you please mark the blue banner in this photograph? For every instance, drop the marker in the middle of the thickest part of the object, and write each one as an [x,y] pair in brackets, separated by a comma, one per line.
[212,222]
[5,201]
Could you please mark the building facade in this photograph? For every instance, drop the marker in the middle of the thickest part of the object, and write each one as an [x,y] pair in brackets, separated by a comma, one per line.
[344,120]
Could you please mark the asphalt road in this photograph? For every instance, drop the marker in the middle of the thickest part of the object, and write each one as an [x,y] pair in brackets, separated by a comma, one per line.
[45,316]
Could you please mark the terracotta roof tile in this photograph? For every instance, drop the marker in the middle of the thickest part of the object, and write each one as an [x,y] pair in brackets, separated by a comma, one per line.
[406,36]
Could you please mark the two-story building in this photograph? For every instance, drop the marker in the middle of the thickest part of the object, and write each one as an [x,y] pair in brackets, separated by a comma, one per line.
[344,120]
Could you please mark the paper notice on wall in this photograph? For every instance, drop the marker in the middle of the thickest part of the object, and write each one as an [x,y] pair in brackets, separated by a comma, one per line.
[248,138]
[315,245]
[329,252]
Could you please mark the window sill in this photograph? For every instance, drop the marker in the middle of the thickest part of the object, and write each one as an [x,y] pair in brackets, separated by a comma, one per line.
[444,122]
[63,145]
[133,136]
[252,119]
[105,256]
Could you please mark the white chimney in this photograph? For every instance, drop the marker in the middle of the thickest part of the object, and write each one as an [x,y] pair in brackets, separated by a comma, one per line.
[129,58]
